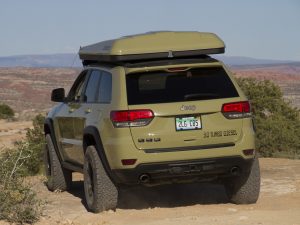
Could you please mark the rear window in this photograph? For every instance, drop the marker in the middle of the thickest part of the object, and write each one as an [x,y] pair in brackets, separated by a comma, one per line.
[191,85]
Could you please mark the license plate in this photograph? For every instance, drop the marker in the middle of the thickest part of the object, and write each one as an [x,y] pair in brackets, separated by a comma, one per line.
[188,123]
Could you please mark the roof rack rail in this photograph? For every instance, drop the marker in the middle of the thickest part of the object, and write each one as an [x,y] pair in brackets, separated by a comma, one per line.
[157,62]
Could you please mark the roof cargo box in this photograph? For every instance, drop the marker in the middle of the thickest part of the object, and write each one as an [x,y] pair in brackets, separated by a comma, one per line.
[153,45]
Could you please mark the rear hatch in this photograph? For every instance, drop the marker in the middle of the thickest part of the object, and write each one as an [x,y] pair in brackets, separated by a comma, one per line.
[187,109]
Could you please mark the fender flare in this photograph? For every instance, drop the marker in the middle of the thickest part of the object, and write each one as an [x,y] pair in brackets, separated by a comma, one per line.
[49,129]
[93,132]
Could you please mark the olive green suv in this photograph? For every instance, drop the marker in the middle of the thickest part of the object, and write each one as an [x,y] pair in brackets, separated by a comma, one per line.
[152,109]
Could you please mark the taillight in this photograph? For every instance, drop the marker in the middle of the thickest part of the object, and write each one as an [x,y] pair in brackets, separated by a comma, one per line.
[131,118]
[236,110]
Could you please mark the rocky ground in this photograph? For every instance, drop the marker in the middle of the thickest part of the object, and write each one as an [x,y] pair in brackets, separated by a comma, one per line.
[279,202]
[10,132]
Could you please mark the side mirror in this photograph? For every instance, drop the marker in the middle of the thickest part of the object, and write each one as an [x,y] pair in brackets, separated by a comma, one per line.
[58,95]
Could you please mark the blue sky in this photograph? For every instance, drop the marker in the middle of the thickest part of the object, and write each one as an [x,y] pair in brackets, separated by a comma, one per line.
[255,28]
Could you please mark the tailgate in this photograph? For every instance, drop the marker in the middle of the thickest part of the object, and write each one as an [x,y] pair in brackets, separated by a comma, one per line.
[187,109]
[213,130]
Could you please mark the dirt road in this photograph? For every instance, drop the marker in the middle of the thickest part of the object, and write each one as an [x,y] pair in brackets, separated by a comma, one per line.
[279,203]
[12,131]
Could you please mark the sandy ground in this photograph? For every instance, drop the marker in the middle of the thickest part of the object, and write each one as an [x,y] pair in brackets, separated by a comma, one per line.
[279,203]
[11,132]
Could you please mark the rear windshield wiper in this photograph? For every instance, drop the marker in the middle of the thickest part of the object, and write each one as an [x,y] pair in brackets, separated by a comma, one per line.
[200,95]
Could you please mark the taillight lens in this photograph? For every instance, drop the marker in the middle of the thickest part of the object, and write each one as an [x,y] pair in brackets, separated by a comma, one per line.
[236,110]
[131,118]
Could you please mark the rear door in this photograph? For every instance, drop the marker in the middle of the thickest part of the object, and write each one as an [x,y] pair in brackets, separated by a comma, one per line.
[187,106]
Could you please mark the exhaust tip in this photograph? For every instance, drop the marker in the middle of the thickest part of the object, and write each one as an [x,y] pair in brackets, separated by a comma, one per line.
[235,170]
[144,178]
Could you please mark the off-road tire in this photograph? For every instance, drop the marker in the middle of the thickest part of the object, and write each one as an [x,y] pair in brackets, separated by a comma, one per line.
[245,188]
[58,178]
[100,192]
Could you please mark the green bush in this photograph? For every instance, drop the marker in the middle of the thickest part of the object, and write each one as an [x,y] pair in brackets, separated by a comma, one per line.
[19,203]
[34,145]
[277,122]
[6,112]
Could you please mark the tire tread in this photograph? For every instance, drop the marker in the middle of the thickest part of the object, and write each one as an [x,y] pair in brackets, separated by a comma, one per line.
[60,179]
[105,192]
[245,189]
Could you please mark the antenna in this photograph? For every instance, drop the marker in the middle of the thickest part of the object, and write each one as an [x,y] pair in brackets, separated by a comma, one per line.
[75,57]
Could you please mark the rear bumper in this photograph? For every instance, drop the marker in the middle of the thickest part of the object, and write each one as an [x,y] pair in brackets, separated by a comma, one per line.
[183,171]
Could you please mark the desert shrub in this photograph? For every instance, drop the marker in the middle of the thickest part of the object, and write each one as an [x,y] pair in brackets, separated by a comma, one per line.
[19,203]
[6,112]
[277,122]
[34,145]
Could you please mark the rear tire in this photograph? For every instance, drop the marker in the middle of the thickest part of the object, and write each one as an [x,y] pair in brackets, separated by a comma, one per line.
[58,178]
[245,189]
[100,192]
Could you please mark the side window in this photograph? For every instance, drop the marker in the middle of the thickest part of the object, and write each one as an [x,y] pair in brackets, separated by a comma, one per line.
[92,87]
[105,88]
[76,90]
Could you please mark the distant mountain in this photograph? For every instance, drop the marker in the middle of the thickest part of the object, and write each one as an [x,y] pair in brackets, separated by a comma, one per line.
[53,60]
[72,60]
[248,61]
